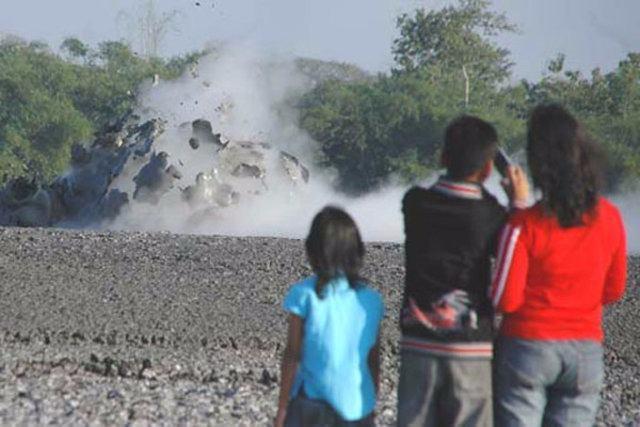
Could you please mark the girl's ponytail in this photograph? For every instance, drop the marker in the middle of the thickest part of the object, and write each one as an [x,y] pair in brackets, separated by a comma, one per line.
[334,248]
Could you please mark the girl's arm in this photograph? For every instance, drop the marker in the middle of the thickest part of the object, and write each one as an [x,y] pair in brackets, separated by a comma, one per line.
[289,366]
[374,367]
[374,364]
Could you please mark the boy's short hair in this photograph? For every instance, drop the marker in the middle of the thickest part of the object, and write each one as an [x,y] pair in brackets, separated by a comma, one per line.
[468,143]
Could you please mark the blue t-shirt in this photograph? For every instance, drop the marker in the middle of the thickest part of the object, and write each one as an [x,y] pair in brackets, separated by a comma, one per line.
[339,331]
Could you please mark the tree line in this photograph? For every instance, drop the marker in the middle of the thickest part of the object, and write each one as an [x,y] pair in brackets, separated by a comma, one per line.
[447,63]
[50,101]
[368,128]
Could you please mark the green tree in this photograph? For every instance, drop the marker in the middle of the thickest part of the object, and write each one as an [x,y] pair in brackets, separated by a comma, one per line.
[48,103]
[370,130]
[151,27]
[455,41]
[393,125]
[608,104]
[449,64]
[321,71]
[38,122]
[75,48]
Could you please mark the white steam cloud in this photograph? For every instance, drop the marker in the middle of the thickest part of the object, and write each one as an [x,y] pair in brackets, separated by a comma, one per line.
[629,205]
[243,94]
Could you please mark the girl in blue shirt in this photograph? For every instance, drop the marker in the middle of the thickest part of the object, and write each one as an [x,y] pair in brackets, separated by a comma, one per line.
[330,367]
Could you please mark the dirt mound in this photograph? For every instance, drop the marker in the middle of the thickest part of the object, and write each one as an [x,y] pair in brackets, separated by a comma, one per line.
[132,161]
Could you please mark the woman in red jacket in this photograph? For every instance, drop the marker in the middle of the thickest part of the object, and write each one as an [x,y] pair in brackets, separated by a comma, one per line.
[559,262]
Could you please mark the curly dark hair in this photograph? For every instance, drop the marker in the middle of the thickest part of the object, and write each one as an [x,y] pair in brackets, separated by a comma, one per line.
[565,164]
[334,247]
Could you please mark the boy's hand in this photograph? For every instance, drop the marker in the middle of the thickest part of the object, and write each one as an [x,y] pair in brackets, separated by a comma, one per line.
[516,186]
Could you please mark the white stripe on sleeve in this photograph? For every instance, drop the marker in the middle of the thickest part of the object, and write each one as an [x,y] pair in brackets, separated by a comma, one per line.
[504,235]
[504,264]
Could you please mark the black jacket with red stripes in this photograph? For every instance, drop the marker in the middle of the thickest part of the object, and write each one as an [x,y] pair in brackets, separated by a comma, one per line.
[451,230]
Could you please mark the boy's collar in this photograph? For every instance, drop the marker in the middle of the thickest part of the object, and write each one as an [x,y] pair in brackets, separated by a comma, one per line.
[465,190]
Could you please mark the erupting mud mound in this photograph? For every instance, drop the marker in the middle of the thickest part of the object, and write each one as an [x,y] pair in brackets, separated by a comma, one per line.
[200,154]
[117,328]
[131,162]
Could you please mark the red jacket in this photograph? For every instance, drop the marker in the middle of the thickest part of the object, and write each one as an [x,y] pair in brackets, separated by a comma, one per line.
[551,282]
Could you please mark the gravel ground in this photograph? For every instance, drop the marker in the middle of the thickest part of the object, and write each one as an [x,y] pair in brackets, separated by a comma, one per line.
[139,329]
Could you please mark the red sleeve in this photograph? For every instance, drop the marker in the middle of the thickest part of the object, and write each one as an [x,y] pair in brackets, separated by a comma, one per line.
[617,272]
[510,273]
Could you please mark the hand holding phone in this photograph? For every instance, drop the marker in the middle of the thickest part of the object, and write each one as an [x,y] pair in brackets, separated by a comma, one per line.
[514,180]
[502,161]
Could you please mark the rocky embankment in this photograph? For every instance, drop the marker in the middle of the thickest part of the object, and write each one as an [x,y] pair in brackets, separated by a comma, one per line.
[138,329]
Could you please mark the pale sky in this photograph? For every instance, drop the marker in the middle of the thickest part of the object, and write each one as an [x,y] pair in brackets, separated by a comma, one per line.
[592,33]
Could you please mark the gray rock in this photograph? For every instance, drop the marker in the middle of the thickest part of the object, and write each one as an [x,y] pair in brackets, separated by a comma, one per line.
[155,178]
[244,170]
[114,394]
[203,131]
[112,204]
[294,168]
[209,191]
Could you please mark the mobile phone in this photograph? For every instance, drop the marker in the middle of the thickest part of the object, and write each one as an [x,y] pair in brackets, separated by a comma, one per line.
[502,161]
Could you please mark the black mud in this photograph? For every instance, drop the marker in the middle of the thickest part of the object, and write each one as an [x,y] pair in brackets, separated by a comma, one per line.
[130,328]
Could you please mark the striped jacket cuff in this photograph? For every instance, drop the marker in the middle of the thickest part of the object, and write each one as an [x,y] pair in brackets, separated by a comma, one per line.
[465,350]
[519,204]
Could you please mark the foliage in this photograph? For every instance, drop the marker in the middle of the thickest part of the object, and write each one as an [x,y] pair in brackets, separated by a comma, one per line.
[452,38]
[448,64]
[368,128]
[150,26]
[321,71]
[356,123]
[48,103]
[609,105]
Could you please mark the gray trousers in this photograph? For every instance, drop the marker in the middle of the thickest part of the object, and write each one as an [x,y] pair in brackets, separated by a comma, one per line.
[443,391]
[550,383]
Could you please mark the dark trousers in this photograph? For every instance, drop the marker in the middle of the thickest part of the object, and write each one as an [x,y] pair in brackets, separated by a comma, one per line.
[305,412]
[441,391]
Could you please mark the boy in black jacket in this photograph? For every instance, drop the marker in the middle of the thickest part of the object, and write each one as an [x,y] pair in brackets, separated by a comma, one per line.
[446,317]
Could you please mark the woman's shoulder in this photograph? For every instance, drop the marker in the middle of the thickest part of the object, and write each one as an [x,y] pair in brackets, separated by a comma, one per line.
[608,212]
[607,206]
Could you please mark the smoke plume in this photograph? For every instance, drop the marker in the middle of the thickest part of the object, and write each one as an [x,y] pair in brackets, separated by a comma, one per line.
[244,95]
[629,205]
